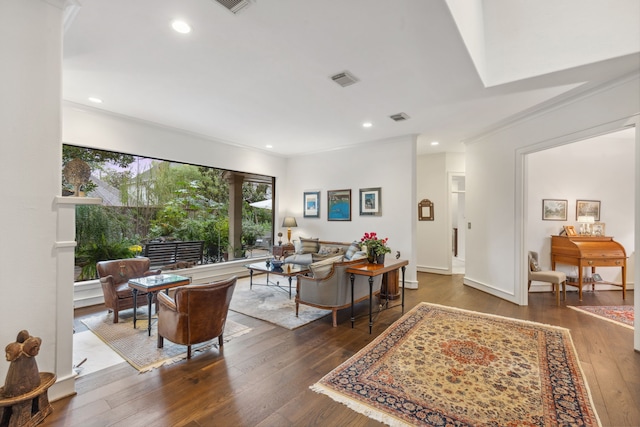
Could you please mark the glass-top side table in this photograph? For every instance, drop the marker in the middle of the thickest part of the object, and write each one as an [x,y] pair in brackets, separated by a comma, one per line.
[151,285]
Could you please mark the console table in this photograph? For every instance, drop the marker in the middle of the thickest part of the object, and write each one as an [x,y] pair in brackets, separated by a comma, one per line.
[589,251]
[372,270]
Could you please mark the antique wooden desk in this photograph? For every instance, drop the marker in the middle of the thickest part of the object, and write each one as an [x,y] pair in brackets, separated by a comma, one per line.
[589,251]
[373,270]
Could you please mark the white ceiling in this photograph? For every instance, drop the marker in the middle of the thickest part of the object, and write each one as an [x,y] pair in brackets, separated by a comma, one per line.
[262,76]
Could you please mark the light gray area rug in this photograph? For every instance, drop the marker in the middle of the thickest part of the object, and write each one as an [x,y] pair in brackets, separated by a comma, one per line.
[140,349]
[272,304]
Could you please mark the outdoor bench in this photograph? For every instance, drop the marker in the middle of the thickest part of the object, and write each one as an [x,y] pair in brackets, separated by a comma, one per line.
[165,253]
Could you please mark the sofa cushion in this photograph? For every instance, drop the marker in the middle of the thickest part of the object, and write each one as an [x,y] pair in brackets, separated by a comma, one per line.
[309,246]
[321,269]
[353,248]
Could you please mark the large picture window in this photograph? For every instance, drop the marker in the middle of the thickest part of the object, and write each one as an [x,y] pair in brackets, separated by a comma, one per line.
[152,200]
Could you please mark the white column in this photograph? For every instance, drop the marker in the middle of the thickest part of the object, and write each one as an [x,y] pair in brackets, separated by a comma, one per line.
[30,149]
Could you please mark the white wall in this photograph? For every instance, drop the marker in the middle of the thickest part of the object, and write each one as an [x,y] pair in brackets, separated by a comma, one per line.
[607,165]
[387,164]
[434,242]
[30,149]
[98,129]
[496,244]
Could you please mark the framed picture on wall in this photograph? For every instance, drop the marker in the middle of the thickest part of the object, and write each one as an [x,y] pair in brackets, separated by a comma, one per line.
[311,206]
[370,201]
[588,208]
[339,205]
[554,210]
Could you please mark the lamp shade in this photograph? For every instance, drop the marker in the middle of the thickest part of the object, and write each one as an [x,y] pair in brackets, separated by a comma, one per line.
[289,221]
[586,219]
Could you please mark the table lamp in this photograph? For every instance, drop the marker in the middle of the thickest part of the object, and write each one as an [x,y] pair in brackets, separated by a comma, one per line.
[289,222]
[585,224]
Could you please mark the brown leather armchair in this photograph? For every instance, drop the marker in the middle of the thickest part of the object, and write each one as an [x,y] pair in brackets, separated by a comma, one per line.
[114,278]
[196,313]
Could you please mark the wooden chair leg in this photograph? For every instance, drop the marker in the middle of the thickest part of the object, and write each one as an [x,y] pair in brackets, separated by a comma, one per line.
[556,286]
[529,285]
[564,290]
[160,341]
[188,352]
[220,341]
[334,316]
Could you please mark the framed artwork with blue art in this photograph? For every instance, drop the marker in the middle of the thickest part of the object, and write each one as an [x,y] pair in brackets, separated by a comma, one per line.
[339,205]
[312,204]
[370,201]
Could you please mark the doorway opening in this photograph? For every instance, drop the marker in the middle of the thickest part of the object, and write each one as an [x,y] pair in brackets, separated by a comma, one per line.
[458,222]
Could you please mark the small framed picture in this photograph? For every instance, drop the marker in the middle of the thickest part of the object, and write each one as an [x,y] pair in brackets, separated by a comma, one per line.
[588,208]
[311,206]
[339,205]
[570,230]
[370,201]
[554,210]
[598,229]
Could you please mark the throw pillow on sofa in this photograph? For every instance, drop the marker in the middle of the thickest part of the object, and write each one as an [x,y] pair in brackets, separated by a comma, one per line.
[358,255]
[309,246]
[353,248]
[321,269]
[329,250]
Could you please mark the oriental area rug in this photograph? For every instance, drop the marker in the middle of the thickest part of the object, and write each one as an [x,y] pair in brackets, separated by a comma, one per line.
[140,349]
[272,303]
[442,366]
[619,314]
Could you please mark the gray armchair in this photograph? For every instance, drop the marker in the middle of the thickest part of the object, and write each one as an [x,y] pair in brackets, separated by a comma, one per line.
[333,292]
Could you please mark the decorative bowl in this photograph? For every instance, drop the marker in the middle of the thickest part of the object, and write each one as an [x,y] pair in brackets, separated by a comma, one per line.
[277,263]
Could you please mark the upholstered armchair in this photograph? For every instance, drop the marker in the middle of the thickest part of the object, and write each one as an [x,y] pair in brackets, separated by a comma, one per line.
[196,313]
[556,278]
[114,278]
[333,291]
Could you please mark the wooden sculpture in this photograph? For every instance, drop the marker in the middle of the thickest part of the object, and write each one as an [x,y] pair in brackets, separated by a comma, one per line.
[23,399]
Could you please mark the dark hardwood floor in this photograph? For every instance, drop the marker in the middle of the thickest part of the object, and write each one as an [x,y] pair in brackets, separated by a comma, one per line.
[263,378]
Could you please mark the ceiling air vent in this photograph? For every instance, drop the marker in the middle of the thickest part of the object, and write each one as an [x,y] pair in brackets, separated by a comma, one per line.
[344,79]
[234,6]
[400,117]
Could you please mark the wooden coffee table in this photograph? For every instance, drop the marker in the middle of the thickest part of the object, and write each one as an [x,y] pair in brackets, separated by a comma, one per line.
[151,285]
[287,270]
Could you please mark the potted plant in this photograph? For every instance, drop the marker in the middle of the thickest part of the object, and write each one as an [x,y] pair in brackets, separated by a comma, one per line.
[376,248]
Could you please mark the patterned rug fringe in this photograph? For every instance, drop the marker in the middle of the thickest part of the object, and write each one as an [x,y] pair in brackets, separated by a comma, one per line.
[360,408]
[601,317]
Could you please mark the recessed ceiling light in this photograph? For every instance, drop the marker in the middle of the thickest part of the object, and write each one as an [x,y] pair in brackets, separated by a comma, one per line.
[367,124]
[435,143]
[181,26]
[96,100]
[269,146]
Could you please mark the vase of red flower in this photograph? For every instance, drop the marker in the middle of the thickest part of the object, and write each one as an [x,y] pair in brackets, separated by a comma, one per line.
[376,248]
